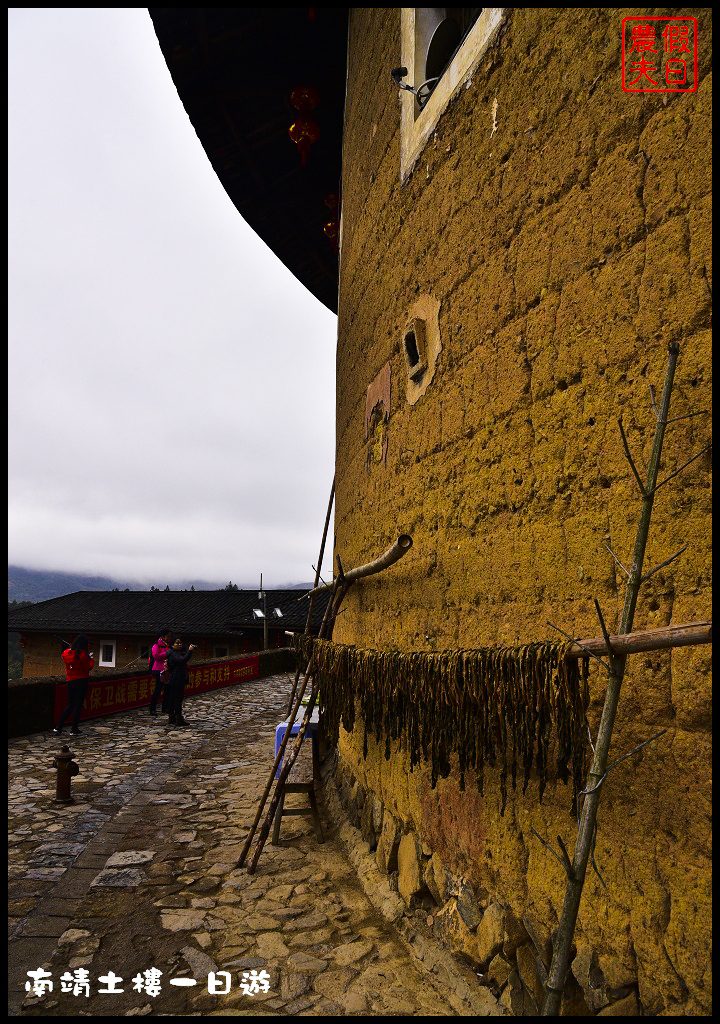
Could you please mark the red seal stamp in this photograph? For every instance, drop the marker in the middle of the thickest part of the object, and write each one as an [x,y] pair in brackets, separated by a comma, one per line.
[659,54]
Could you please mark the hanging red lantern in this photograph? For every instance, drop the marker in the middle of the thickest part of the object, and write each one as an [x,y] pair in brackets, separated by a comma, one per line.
[332,230]
[305,98]
[304,132]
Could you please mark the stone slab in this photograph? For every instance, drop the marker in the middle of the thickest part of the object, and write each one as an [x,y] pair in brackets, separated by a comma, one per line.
[120,878]
[130,857]
[46,874]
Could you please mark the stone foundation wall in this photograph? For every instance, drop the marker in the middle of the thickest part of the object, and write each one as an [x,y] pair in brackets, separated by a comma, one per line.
[510,950]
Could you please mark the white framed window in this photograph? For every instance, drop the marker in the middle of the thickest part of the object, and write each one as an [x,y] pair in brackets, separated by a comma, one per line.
[107,654]
[440,47]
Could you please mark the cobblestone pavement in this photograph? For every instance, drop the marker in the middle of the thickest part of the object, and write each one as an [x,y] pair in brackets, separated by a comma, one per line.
[141,873]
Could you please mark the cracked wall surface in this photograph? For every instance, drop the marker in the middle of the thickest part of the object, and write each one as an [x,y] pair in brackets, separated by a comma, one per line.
[564,228]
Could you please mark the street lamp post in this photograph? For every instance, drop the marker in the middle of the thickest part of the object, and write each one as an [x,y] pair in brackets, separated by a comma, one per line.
[263,597]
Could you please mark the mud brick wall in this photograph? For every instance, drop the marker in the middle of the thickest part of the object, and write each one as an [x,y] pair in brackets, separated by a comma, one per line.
[566,249]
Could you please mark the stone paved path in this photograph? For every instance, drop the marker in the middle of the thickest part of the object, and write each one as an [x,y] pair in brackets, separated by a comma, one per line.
[140,873]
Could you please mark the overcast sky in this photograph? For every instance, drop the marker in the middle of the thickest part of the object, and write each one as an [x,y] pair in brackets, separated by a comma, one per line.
[171,384]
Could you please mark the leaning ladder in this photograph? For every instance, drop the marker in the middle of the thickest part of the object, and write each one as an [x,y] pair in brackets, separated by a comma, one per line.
[338,590]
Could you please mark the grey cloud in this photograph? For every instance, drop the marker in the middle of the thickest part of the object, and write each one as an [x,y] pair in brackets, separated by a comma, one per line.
[171,386]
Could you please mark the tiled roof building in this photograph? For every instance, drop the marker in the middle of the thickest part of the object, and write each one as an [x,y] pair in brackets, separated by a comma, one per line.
[122,624]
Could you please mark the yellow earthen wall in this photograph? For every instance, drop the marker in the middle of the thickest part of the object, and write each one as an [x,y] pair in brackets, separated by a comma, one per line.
[566,250]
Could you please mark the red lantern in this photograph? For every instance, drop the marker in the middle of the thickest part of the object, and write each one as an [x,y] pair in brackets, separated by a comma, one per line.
[304,132]
[332,228]
[305,98]
[332,233]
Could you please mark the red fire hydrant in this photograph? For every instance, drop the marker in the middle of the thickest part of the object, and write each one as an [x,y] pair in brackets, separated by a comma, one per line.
[66,769]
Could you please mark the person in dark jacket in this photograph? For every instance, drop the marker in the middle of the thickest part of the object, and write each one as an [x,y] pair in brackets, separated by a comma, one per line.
[177,670]
[159,653]
[78,666]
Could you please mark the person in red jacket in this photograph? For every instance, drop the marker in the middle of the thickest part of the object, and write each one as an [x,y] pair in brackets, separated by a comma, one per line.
[78,666]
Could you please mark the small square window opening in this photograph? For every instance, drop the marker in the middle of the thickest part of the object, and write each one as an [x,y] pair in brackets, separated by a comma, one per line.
[107,654]
[415,348]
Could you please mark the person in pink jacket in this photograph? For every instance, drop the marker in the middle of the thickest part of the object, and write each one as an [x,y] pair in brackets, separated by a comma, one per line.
[160,652]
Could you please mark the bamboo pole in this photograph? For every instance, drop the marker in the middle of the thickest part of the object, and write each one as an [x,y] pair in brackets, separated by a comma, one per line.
[688,634]
[312,597]
[393,554]
[321,555]
[576,870]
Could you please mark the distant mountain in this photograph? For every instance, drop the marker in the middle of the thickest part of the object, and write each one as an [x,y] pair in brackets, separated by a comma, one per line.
[42,585]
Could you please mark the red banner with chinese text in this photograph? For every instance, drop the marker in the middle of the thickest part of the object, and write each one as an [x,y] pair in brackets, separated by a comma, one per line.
[107,695]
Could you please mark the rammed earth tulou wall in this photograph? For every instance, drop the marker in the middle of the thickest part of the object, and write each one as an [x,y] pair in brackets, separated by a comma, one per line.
[563,227]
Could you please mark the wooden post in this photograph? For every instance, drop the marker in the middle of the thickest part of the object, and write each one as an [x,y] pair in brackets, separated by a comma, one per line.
[265,618]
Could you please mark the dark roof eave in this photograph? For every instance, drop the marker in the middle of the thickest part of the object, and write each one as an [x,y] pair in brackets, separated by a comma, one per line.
[234,69]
